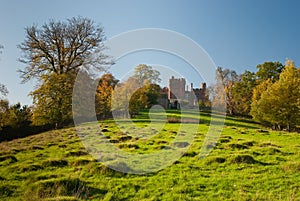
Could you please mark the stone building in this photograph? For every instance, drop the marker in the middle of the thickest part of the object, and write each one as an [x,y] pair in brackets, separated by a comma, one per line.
[178,93]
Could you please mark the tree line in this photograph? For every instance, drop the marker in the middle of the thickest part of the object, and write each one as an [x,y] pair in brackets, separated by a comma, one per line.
[270,95]
[54,53]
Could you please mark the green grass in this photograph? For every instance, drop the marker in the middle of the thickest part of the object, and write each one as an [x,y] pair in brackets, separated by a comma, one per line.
[249,162]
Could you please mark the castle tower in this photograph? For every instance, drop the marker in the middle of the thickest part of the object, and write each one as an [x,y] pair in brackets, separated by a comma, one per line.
[176,88]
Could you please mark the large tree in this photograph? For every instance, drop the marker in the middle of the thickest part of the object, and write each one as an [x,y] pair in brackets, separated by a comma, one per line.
[53,54]
[62,46]
[279,104]
[225,80]
[145,74]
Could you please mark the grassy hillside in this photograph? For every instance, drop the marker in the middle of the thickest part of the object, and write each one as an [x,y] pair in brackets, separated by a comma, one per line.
[248,163]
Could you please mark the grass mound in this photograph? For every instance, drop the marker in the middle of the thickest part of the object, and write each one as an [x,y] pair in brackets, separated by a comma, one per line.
[238,146]
[244,159]
[72,187]
[55,163]
[32,167]
[212,160]
[77,153]
[9,158]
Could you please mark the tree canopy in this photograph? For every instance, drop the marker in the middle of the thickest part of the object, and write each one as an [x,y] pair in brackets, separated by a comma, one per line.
[62,46]
[226,79]
[269,70]
[279,103]
[145,74]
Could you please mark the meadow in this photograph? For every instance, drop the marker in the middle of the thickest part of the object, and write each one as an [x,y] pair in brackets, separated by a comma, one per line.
[249,162]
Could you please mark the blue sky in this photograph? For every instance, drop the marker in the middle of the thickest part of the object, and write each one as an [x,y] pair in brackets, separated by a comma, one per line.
[236,34]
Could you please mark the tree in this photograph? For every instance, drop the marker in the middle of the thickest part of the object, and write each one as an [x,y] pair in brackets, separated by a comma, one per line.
[279,104]
[19,116]
[53,100]
[121,98]
[53,54]
[226,79]
[146,75]
[16,117]
[243,91]
[269,70]
[144,98]
[105,88]
[62,47]
[140,91]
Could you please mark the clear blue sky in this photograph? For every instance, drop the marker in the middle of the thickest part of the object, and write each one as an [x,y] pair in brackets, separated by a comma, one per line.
[237,34]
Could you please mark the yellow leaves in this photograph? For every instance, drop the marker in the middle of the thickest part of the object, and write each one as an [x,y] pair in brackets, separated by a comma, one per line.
[278,103]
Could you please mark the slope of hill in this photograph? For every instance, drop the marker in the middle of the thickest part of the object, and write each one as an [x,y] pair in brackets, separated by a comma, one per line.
[248,163]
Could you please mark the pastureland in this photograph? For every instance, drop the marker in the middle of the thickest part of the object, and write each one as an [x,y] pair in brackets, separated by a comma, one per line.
[248,163]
